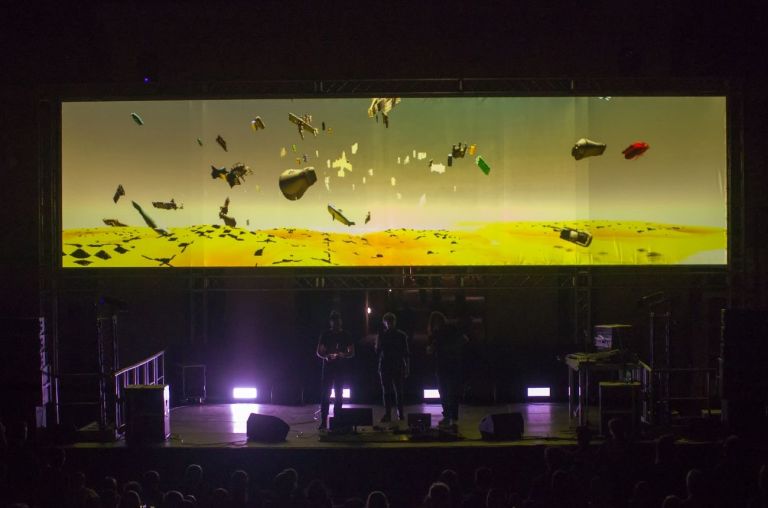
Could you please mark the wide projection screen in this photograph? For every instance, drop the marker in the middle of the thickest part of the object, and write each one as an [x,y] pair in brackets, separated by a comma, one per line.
[359,182]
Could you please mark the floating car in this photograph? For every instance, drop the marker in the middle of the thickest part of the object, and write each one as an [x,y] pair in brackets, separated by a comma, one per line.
[574,236]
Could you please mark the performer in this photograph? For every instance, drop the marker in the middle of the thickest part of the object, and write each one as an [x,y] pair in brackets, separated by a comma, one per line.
[335,348]
[394,363]
[446,341]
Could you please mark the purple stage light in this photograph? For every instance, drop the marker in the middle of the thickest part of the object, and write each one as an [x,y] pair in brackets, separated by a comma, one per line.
[244,393]
[541,391]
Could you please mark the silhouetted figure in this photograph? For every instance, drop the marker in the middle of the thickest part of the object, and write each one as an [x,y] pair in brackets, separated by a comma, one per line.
[667,474]
[451,478]
[193,483]
[438,496]
[336,349]
[761,499]
[483,481]
[541,487]
[173,499]
[447,343]
[219,498]
[152,494]
[496,498]
[642,496]
[238,490]
[671,502]
[696,486]
[317,495]
[394,363]
[377,499]
[284,490]
[731,475]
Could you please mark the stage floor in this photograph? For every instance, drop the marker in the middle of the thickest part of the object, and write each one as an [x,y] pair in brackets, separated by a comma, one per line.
[224,425]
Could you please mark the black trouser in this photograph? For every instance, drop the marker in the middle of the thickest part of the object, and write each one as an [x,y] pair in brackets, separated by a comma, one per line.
[392,381]
[449,384]
[333,377]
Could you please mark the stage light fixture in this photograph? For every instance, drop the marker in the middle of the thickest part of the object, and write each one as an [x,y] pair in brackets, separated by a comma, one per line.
[244,393]
[345,393]
[541,391]
[369,310]
[431,394]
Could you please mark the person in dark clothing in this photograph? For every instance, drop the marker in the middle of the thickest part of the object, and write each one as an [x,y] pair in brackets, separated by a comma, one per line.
[336,349]
[394,364]
[447,342]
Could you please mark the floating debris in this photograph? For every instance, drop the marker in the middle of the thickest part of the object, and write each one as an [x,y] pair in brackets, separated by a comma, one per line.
[223,215]
[342,163]
[578,237]
[162,261]
[257,124]
[423,200]
[137,119]
[234,176]
[437,168]
[635,150]
[382,105]
[421,156]
[295,182]
[199,142]
[472,149]
[114,223]
[118,192]
[484,167]
[336,214]
[259,252]
[303,122]
[222,143]
[354,149]
[120,249]
[327,181]
[103,255]
[283,152]
[167,205]
[587,148]
[393,181]
[147,219]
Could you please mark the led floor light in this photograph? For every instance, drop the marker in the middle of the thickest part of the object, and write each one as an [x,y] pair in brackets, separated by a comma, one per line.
[244,393]
[538,391]
[345,393]
[431,394]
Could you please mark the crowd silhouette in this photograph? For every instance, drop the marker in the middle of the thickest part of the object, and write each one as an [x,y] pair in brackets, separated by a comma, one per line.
[604,475]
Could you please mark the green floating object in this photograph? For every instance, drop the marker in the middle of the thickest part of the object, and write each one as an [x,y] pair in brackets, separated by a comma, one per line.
[484,167]
[137,119]
[199,141]
[293,147]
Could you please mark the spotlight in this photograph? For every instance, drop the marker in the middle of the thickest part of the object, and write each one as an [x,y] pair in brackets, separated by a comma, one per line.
[369,310]
[431,394]
[538,391]
[345,393]
[244,393]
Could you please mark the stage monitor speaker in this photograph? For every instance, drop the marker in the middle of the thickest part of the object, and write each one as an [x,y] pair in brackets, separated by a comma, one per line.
[502,427]
[347,418]
[148,414]
[266,428]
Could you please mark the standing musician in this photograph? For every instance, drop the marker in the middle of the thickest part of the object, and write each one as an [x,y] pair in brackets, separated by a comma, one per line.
[336,348]
[394,363]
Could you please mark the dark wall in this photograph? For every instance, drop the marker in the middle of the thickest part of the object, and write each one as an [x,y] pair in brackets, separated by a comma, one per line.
[179,42]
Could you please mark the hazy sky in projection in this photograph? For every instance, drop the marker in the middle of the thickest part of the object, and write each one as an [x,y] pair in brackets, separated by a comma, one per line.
[526,141]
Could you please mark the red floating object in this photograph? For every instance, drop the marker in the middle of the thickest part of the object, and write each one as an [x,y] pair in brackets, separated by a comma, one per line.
[635,150]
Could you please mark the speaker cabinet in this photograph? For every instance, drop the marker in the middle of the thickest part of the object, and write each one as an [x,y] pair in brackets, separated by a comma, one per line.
[348,418]
[148,413]
[502,427]
[266,428]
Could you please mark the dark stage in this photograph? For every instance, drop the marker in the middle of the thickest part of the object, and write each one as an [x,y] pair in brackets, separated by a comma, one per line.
[224,426]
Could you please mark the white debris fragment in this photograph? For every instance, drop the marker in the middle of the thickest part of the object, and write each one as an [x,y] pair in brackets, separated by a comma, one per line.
[437,168]
[354,149]
[421,156]
[328,183]
[423,200]
[283,152]
[370,172]
[399,196]
[340,174]
[414,153]
[393,181]
[363,180]
[454,188]
[328,163]
[317,153]
[398,160]
[353,186]
[407,160]
[342,163]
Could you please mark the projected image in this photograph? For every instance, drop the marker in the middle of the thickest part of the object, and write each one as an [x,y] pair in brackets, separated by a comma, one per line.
[394,182]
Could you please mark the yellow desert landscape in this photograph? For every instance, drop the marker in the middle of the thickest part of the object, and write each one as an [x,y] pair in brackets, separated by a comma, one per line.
[478,244]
